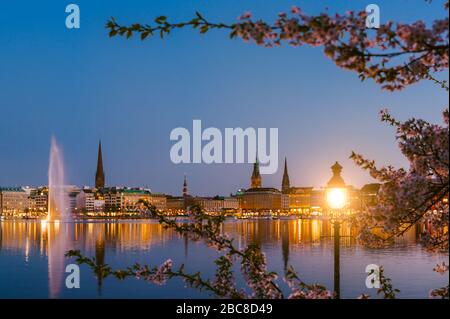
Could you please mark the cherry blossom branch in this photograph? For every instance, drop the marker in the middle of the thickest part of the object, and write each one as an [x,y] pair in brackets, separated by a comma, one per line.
[344,38]
[419,195]
[156,275]
[207,228]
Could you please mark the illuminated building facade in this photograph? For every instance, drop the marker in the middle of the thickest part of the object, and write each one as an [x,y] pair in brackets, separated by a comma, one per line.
[13,202]
[159,201]
[231,203]
[85,200]
[118,200]
[261,200]
[175,205]
[130,199]
[300,199]
[38,200]
[218,204]
[210,204]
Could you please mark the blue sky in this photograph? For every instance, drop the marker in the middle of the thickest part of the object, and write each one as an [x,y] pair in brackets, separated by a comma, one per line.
[81,85]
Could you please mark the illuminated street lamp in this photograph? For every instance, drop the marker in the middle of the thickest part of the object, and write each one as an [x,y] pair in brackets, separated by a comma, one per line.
[336,196]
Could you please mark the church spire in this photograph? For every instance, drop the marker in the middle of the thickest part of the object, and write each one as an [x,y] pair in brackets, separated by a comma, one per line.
[99,174]
[256,176]
[285,184]
[185,189]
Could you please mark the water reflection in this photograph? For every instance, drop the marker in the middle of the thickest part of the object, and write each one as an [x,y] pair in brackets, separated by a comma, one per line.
[59,237]
[43,237]
[304,242]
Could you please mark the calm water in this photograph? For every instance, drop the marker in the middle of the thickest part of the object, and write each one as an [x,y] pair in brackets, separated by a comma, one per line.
[32,261]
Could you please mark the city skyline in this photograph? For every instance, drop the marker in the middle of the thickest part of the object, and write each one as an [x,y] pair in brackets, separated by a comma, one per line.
[255,180]
[62,201]
[131,94]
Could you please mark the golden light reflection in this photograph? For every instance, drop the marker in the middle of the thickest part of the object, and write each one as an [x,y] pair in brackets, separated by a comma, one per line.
[31,237]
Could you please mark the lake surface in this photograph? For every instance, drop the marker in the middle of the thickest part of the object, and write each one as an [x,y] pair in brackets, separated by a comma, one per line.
[32,262]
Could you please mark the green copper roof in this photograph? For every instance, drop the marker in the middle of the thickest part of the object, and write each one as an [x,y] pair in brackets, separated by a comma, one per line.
[11,189]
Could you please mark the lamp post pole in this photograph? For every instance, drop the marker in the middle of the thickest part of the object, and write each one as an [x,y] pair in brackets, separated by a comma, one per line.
[337,275]
[337,200]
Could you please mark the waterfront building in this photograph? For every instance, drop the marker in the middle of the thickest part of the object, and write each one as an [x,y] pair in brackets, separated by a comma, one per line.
[258,200]
[175,205]
[118,200]
[210,204]
[111,195]
[318,203]
[99,205]
[159,201]
[285,202]
[300,199]
[127,199]
[72,193]
[38,200]
[218,204]
[130,199]
[13,202]
[231,203]
[85,200]
[261,201]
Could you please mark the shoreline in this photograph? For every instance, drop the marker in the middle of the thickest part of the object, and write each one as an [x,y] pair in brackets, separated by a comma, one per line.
[130,218]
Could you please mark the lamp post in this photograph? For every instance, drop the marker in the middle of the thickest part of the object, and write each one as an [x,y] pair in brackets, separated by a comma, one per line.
[336,197]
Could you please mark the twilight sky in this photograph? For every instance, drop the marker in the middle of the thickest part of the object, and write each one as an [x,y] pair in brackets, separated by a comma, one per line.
[81,85]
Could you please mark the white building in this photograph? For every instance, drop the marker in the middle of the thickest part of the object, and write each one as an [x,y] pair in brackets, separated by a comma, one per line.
[85,200]
[13,202]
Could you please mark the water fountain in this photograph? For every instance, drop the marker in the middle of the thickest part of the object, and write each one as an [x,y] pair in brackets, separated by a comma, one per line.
[60,236]
[58,200]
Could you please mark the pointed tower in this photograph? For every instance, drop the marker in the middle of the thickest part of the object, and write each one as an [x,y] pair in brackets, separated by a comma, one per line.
[99,174]
[185,189]
[256,176]
[285,184]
